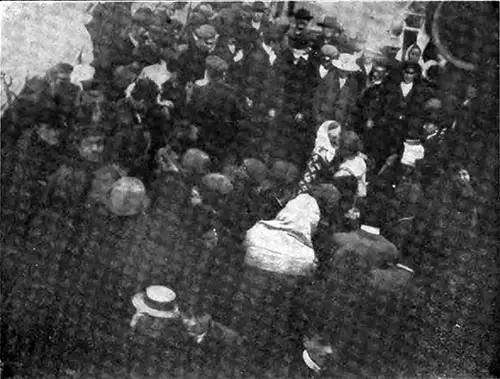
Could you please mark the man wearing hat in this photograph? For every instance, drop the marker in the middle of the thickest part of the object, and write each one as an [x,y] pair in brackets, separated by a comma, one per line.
[217,109]
[331,33]
[302,18]
[192,61]
[261,71]
[345,89]
[325,96]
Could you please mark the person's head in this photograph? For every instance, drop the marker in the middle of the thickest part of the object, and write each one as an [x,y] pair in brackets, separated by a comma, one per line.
[413,54]
[327,197]
[212,190]
[90,143]
[272,38]
[59,79]
[144,94]
[432,111]
[334,130]
[330,27]
[379,71]
[300,45]
[216,67]
[206,37]
[411,71]
[328,53]
[349,144]
[302,20]
[258,11]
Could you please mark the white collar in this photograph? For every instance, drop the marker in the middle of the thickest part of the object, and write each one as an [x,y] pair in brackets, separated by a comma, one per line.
[370,229]
[323,71]
[342,82]
[406,85]
[377,82]
[368,67]
[309,362]
[431,135]
[268,49]
[256,25]
[232,47]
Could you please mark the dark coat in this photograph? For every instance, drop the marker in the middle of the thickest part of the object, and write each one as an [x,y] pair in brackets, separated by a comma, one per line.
[217,109]
[325,96]
[401,113]
[298,86]
[192,65]
[263,82]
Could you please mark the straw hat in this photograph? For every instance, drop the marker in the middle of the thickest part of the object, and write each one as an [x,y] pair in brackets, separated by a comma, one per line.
[346,62]
[157,301]
[127,196]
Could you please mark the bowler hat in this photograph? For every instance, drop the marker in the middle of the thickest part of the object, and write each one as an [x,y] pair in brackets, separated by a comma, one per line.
[303,14]
[330,22]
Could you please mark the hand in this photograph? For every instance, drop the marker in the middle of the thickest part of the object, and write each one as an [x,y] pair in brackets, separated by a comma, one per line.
[370,124]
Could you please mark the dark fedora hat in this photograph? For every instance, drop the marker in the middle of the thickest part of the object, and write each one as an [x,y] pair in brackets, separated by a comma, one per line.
[303,14]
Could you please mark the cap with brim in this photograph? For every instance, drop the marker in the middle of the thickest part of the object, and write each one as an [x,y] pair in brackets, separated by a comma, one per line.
[207,11]
[303,14]
[346,62]
[330,22]
[157,301]
[217,183]
[206,32]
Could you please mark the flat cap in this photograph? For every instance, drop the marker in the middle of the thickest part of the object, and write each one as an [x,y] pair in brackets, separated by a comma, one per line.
[255,169]
[196,161]
[206,31]
[217,183]
[285,171]
[216,63]
[433,104]
[330,51]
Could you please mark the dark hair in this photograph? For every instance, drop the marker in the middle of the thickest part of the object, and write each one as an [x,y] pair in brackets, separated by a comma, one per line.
[413,65]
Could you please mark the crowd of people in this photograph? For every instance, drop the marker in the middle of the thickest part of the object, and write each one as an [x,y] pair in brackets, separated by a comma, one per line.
[317,159]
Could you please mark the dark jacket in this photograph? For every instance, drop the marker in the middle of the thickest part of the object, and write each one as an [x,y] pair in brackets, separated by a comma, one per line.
[192,65]
[216,108]
[263,82]
[401,113]
[298,86]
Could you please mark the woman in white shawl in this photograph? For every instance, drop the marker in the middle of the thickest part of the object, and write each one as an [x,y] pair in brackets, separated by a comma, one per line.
[279,255]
